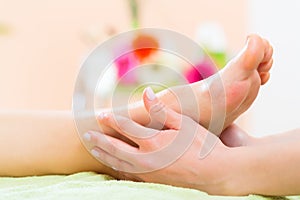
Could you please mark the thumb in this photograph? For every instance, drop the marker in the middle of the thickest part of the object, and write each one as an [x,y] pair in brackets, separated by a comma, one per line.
[149,98]
[159,112]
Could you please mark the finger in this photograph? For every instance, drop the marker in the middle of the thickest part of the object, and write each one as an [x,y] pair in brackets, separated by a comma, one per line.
[153,123]
[110,160]
[159,112]
[119,155]
[149,98]
[127,127]
[112,132]
[113,146]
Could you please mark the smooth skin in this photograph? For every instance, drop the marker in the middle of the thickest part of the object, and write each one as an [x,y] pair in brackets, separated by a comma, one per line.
[267,166]
[37,143]
[43,142]
[235,88]
[46,142]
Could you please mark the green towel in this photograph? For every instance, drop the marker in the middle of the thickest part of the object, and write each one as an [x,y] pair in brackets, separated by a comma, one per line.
[88,185]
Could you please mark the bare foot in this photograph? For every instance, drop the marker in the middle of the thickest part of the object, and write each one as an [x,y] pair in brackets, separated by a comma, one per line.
[234,88]
[244,74]
[220,98]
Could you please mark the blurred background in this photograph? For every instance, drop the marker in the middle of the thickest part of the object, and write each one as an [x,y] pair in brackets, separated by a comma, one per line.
[43,43]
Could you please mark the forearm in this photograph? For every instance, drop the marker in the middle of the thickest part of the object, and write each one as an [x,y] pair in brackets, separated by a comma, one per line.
[35,143]
[289,136]
[270,169]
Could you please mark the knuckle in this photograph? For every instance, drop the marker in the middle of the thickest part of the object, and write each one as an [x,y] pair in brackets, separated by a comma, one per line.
[150,144]
[123,166]
[123,123]
[157,108]
[117,165]
[112,149]
[146,164]
[106,118]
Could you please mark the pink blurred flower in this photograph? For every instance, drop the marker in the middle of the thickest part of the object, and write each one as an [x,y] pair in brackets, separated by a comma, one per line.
[201,71]
[125,66]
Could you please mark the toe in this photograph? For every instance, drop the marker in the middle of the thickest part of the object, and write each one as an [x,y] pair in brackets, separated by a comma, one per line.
[264,77]
[265,67]
[268,51]
[253,53]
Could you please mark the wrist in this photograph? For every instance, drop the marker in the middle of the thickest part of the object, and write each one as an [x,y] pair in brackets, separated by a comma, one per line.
[243,165]
[253,141]
[224,178]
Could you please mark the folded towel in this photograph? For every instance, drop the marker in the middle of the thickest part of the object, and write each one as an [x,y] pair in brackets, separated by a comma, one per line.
[89,185]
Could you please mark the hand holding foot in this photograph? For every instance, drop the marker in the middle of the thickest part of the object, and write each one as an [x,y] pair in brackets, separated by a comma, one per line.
[163,156]
[234,89]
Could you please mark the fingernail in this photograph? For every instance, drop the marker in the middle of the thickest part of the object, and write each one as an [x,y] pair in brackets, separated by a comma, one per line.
[102,115]
[95,153]
[150,94]
[87,137]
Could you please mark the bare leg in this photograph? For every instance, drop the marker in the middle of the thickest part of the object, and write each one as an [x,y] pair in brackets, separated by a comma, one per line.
[37,143]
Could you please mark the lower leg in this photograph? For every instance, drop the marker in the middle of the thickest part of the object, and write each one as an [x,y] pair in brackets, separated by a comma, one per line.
[38,143]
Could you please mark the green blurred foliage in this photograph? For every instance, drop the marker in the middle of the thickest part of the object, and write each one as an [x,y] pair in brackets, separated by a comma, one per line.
[4,29]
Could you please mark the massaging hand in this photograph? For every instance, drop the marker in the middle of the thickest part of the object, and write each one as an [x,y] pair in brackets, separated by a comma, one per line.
[185,154]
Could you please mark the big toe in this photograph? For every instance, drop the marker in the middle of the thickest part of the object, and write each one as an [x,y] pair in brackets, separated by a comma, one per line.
[253,53]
